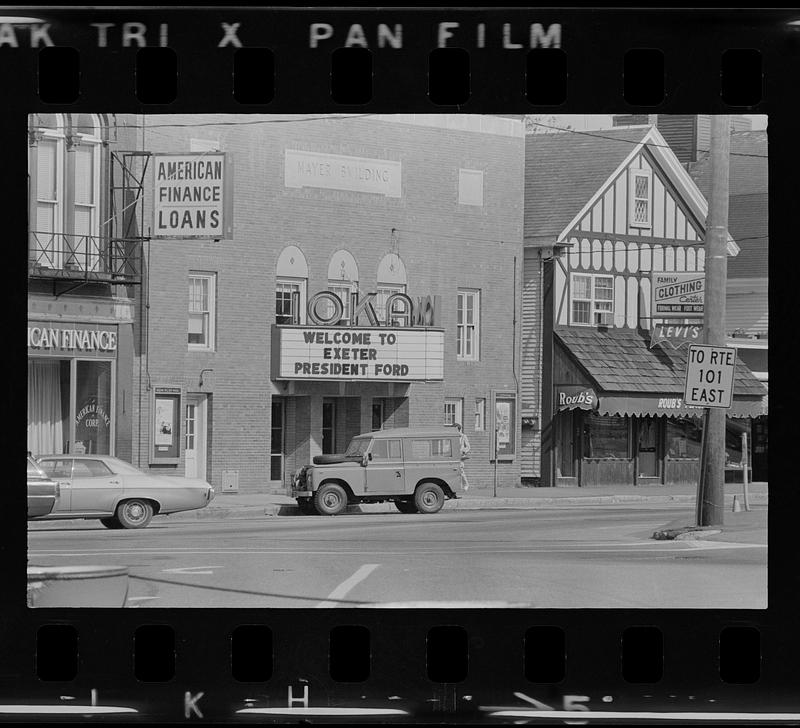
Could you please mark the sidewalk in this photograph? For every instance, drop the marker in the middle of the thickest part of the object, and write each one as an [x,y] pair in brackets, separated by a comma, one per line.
[254,505]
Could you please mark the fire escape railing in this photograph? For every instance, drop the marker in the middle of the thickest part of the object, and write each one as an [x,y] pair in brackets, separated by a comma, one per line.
[85,257]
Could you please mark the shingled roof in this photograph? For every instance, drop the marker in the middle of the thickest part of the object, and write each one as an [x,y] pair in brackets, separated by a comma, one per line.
[619,360]
[563,170]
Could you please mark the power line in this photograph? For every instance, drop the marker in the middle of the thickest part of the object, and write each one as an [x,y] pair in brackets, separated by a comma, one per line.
[247,123]
[627,141]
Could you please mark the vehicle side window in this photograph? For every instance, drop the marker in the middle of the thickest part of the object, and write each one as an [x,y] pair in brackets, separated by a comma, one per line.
[90,469]
[57,468]
[33,470]
[386,450]
[432,449]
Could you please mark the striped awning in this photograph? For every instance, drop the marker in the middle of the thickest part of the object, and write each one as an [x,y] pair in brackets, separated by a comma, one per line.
[643,405]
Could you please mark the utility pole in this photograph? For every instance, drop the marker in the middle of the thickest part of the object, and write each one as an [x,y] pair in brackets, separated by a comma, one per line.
[711,492]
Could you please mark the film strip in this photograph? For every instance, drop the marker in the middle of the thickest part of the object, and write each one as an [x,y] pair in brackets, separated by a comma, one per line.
[620,653]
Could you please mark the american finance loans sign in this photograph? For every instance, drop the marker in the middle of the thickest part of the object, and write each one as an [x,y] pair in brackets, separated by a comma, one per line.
[189,196]
[368,354]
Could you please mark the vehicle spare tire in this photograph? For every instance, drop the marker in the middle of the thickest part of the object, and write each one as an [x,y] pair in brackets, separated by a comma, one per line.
[329,459]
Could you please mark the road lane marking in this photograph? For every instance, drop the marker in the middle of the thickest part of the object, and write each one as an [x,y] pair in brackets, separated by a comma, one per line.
[341,591]
[191,570]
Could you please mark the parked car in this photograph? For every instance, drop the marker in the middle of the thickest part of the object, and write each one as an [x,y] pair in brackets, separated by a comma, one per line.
[415,468]
[118,494]
[42,491]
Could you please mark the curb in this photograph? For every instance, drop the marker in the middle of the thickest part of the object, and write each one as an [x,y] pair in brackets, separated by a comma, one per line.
[291,509]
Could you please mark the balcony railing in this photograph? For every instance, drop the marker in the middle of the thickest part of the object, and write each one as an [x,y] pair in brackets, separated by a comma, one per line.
[61,256]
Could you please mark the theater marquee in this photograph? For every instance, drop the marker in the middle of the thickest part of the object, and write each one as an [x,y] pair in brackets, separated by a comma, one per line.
[365,354]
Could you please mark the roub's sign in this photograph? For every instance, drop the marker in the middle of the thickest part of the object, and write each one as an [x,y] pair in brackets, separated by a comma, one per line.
[575,397]
[677,295]
[190,196]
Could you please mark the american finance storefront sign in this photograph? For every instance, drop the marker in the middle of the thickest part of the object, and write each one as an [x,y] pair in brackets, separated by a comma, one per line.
[368,354]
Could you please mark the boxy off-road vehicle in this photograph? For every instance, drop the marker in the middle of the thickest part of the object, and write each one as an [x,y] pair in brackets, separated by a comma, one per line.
[415,468]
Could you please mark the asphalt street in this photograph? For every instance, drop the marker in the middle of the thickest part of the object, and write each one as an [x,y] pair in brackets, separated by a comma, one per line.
[601,556]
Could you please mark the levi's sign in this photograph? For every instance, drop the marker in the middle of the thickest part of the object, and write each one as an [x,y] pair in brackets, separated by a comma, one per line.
[709,376]
[189,195]
[678,295]
[358,353]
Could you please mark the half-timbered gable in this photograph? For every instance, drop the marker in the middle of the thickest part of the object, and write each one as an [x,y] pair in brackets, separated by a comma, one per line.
[646,215]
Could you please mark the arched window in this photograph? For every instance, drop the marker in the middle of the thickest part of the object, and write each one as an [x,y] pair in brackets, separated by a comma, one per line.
[391,279]
[64,166]
[343,279]
[291,286]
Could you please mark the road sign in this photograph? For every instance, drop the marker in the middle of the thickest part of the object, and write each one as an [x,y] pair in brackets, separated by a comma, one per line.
[677,295]
[709,376]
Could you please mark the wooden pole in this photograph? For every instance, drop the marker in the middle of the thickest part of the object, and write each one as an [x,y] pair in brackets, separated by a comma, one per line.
[712,506]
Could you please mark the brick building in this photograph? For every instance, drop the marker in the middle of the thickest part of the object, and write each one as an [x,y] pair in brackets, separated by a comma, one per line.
[84,262]
[241,367]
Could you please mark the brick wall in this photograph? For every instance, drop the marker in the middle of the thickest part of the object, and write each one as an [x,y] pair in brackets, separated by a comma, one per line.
[445,246]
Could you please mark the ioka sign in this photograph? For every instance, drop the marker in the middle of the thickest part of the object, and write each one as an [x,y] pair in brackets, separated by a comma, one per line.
[403,348]
[709,376]
[189,199]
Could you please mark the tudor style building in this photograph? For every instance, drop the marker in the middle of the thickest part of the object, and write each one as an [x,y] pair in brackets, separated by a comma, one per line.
[604,212]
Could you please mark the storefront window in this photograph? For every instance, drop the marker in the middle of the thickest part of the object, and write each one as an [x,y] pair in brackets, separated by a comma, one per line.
[48,406]
[93,408]
[684,436]
[606,437]
[734,428]
[65,421]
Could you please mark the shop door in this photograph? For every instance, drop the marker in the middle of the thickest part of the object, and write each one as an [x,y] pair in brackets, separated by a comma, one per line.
[277,440]
[566,440]
[195,437]
[328,426]
[647,443]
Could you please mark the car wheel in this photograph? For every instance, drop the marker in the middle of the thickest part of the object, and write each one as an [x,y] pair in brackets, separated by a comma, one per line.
[111,522]
[134,513]
[429,498]
[307,507]
[405,506]
[330,499]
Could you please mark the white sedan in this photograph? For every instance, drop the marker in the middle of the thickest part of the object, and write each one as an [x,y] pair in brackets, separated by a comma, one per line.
[116,493]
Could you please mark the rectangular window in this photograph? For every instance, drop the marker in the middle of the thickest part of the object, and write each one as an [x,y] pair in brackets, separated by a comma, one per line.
[453,412]
[435,449]
[470,187]
[343,292]
[377,415]
[289,301]
[592,300]
[640,197]
[480,414]
[202,311]
[384,291]
[468,326]
[607,436]
[386,450]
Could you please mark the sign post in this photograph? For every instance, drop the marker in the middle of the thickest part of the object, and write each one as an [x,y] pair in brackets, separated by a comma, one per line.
[745,467]
[709,383]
